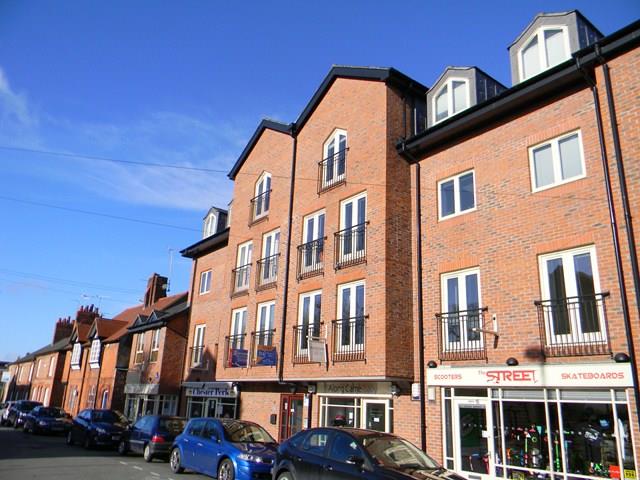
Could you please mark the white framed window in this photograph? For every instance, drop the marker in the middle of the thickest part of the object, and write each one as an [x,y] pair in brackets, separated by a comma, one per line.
[456,195]
[39,368]
[461,311]
[352,235]
[76,353]
[238,327]
[243,266]
[557,161]
[205,282]
[265,323]
[52,365]
[262,197]
[545,48]
[104,404]
[45,401]
[269,262]
[309,318]
[155,345]
[334,164]
[210,224]
[31,372]
[94,355]
[570,287]
[451,98]
[350,323]
[197,351]
[312,242]
[139,356]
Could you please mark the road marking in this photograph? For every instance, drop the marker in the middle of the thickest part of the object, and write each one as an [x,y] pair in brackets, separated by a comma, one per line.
[155,474]
[137,467]
[123,463]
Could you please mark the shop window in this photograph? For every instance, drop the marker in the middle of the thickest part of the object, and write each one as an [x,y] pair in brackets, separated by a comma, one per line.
[340,412]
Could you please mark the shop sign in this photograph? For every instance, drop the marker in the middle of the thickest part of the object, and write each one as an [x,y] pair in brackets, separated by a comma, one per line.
[239,357]
[142,388]
[211,389]
[354,388]
[266,355]
[566,375]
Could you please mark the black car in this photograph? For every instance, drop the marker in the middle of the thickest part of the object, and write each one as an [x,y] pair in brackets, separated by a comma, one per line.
[349,453]
[152,436]
[19,411]
[93,427]
[47,420]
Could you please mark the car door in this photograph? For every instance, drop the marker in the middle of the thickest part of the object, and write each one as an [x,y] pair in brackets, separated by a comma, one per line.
[345,459]
[309,459]
[208,449]
[81,425]
[134,438]
[189,442]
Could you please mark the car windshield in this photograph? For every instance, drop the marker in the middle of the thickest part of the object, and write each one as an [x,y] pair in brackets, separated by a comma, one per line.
[107,416]
[51,412]
[243,432]
[395,452]
[172,425]
[27,406]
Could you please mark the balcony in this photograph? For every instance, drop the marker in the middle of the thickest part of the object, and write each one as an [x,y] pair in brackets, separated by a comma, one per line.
[311,258]
[574,326]
[236,355]
[351,246]
[263,351]
[196,358]
[260,207]
[308,344]
[349,336]
[332,171]
[267,272]
[240,279]
[460,335]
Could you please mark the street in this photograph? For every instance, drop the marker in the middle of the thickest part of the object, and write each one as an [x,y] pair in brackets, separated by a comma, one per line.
[25,456]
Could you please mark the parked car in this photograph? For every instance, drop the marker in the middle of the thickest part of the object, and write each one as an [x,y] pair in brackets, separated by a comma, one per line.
[349,453]
[97,427]
[151,436]
[47,420]
[225,449]
[4,411]
[19,410]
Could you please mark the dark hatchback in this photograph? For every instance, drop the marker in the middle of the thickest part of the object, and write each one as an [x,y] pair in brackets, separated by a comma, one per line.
[47,420]
[348,453]
[19,411]
[151,436]
[93,428]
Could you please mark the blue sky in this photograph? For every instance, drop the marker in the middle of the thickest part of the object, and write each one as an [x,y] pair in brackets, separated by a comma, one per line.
[181,83]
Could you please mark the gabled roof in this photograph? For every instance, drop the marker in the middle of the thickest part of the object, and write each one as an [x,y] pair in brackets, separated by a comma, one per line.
[477,69]
[80,333]
[103,328]
[158,318]
[553,14]
[381,74]
[206,245]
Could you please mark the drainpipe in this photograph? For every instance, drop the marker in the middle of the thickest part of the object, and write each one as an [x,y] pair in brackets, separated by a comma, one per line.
[418,219]
[285,286]
[614,227]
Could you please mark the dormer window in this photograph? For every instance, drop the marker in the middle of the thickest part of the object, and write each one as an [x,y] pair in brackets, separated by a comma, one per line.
[260,203]
[94,355]
[333,167]
[546,48]
[452,98]
[210,225]
[75,356]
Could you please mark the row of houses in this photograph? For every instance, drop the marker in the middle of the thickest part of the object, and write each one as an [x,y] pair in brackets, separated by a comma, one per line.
[454,264]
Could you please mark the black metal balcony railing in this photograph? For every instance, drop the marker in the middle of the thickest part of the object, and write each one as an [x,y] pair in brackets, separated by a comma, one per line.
[460,335]
[260,206]
[351,246]
[196,357]
[240,278]
[302,334]
[574,326]
[311,258]
[263,350]
[332,171]
[267,272]
[236,354]
[349,338]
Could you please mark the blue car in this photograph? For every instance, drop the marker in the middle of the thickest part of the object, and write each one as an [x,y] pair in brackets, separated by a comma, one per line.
[152,436]
[47,420]
[97,427]
[225,449]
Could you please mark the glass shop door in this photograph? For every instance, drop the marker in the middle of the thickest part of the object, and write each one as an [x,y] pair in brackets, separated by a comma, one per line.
[474,439]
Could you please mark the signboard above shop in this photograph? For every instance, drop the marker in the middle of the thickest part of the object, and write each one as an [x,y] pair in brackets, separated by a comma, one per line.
[209,389]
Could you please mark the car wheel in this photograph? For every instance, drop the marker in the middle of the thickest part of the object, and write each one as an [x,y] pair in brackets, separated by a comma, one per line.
[146,453]
[26,428]
[88,443]
[15,423]
[226,470]
[69,438]
[122,448]
[285,476]
[175,461]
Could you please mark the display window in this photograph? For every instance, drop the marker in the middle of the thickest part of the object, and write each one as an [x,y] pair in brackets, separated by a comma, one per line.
[211,407]
[357,412]
[139,405]
[538,434]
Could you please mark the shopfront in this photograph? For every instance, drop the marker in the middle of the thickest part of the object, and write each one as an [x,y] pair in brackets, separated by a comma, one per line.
[356,404]
[211,399]
[144,399]
[537,422]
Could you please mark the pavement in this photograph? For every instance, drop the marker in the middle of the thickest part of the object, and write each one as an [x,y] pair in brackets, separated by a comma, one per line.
[24,456]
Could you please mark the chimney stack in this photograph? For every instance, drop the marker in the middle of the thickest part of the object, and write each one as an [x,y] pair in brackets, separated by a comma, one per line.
[87,314]
[63,329]
[156,289]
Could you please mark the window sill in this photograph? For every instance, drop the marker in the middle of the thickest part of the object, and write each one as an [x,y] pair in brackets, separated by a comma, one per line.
[557,184]
[458,214]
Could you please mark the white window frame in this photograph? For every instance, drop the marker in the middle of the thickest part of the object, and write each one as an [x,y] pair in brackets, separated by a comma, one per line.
[464,344]
[39,368]
[238,327]
[104,400]
[155,345]
[265,324]
[448,84]
[197,354]
[210,224]
[265,185]
[555,156]
[139,349]
[312,317]
[243,259]
[542,49]
[76,356]
[52,363]
[352,309]
[94,355]
[456,195]
[205,282]
[336,177]
[315,255]
[571,291]
[345,257]
[31,372]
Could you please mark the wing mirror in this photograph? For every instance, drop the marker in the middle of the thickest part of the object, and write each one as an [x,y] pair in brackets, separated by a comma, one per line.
[355,460]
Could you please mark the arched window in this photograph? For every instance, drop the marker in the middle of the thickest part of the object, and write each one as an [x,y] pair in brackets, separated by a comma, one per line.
[333,167]
[546,48]
[453,97]
[262,196]
[210,225]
